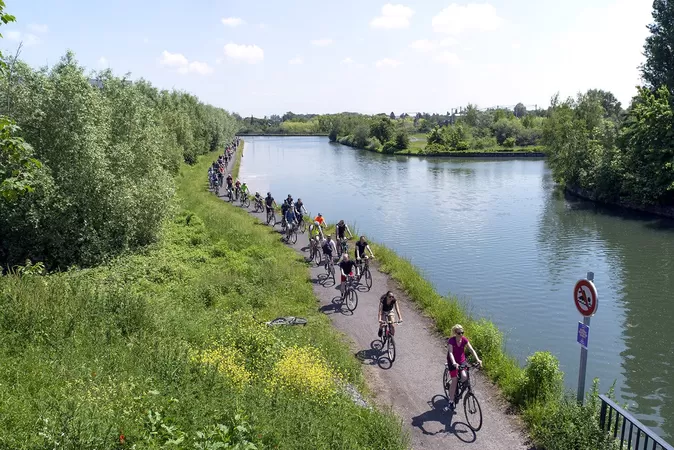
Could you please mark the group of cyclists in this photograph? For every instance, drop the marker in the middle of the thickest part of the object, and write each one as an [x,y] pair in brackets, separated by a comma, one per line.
[292,215]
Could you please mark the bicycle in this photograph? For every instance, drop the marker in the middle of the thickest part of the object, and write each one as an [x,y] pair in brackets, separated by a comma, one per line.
[271,216]
[350,296]
[291,235]
[259,205]
[343,246]
[302,225]
[230,195]
[364,271]
[387,336]
[217,189]
[245,201]
[330,267]
[470,403]
[315,251]
[290,320]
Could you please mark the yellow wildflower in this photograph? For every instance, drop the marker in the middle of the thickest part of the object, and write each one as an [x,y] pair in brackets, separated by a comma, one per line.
[227,361]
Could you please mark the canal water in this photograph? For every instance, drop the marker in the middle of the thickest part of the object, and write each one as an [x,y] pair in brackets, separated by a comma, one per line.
[499,235]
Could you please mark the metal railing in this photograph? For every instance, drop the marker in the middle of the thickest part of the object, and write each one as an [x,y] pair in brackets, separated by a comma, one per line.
[626,429]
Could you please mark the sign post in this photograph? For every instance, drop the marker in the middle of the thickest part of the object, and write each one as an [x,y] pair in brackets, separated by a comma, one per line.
[585,298]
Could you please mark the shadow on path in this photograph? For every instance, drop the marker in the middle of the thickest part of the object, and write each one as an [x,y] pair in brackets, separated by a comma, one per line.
[459,429]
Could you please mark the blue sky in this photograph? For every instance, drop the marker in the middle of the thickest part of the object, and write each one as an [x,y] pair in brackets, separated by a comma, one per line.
[265,57]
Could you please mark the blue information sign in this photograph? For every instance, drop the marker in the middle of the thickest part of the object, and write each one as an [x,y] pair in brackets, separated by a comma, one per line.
[583,334]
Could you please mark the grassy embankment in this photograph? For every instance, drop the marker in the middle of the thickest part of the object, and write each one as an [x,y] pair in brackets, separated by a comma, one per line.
[161,345]
[555,421]
[418,147]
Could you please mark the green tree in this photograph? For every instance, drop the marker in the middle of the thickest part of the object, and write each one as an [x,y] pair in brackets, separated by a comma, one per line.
[382,129]
[18,166]
[658,70]
[520,110]
[648,151]
[402,140]
[360,136]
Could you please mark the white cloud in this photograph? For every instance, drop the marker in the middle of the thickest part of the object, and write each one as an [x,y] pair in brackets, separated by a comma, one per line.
[456,19]
[173,59]
[296,60]
[262,26]
[103,62]
[387,62]
[393,17]
[425,45]
[251,54]
[516,45]
[146,41]
[179,62]
[232,21]
[38,28]
[218,61]
[27,38]
[201,68]
[447,58]
[347,60]
[13,35]
[321,42]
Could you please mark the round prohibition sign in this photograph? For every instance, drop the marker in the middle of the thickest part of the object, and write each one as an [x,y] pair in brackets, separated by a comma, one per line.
[585,298]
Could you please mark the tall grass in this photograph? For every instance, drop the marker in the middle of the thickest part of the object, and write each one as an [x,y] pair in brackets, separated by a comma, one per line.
[164,349]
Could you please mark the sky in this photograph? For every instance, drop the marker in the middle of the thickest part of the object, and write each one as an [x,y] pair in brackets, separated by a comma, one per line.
[306,56]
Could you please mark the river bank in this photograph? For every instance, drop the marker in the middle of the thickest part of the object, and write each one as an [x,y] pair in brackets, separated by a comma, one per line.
[585,194]
[520,387]
[417,150]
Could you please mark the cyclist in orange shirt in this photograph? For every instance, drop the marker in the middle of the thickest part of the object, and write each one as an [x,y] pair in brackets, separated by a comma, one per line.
[319,222]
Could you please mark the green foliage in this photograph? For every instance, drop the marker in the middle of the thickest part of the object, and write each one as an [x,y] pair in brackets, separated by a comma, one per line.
[5,19]
[542,380]
[402,140]
[509,142]
[567,425]
[161,350]
[647,149]
[382,129]
[108,149]
[18,167]
[507,128]
[657,71]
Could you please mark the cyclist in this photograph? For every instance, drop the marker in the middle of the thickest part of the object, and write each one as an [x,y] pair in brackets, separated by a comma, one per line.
[456,355]
[269,203]
[386,304]
[258,198]
[290,218]
[316,226]
[329,247]
[342,229]
[361,246]
[237,188]
[219,177]
[284,209]
[244,190]
[289,199]
[214,179]
[299,208]
[346,267]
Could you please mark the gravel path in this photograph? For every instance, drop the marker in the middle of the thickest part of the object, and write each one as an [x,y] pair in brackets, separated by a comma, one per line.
[413,385]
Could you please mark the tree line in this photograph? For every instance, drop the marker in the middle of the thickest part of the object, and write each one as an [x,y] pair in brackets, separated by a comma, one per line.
[618,156]
[87,161]
[462,129]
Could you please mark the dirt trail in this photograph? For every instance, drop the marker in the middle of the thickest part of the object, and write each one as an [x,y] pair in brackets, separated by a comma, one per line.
[413,385]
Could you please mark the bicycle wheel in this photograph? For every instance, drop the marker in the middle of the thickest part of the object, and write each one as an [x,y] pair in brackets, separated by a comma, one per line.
[293,237]
[303,226]
[278,321]
[332,271]
[446,380]
[317,256]
[246,202]
[471,407]
[351,299]
[368,278]
[391,349]
[269,217]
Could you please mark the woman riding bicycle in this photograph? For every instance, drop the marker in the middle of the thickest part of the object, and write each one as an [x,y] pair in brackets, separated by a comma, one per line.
[342,229]
[386,304]
[456,355]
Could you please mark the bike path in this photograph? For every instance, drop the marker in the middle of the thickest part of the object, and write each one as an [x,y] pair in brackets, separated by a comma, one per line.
[412,386]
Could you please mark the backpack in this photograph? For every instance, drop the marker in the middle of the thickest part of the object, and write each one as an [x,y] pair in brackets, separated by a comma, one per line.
[326,247]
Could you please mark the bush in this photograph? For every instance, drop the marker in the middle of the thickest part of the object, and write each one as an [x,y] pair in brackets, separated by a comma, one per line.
[435,148]
[484,143]
[390,147]
[402,140]
[542,379]
[509,142]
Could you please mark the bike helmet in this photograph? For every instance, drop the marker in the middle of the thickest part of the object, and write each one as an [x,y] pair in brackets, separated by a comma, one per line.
[268,194]
[320,215]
